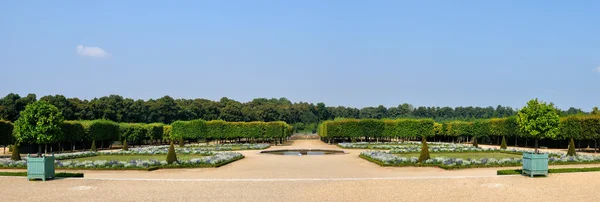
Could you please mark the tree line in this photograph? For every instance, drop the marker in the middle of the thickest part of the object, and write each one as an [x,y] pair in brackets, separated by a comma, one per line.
[302,115]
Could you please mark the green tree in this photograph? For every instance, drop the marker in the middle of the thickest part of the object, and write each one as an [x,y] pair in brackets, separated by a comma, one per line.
[538,120]
[571,151]
[125,146]
[424,151]
[93,148]
[40,123]
[503,144]
[595,111]
[171,155]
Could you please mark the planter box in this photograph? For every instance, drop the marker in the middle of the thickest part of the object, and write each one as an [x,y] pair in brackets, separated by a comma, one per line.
[40,168]
[535,164]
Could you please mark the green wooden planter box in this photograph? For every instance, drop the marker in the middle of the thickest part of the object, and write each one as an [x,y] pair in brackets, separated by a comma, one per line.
[40,168]
[535,164]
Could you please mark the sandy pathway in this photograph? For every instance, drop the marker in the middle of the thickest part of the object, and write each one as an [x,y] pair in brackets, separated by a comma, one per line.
[346,177]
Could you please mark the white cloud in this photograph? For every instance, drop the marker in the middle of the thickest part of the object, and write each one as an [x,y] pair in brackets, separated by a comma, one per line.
[91,51]
[597,69]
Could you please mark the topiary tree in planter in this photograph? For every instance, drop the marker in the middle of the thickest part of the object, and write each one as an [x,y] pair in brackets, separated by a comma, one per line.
[571,151]
[171,156]
[538,120]
[40,123]
[503,144]
[424,151]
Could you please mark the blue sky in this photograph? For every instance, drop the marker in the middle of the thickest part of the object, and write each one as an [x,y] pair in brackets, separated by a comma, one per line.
[350,53]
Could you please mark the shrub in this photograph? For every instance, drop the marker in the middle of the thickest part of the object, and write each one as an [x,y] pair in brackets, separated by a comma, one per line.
[155,131]
[181,142]
[475,142]
[103,130]
[373,128]
[135,132]
[94,149]
[73,131]
[424,151]
[125,146]
[171,156]
[6,129]
[16,155]
[167,130]
[571,151]
[503,144]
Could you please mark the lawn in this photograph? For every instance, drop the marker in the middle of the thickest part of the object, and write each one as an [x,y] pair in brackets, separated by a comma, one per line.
[466,155]
[136,157]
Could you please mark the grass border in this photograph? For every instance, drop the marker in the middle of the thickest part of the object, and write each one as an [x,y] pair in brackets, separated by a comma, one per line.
[62,174]
[552,170]
[149,168]
[380,163]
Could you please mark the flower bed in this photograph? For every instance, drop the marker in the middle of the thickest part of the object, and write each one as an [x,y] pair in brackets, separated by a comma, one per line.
[216,160]
[398,145]
[390,159]
[230,147]
[158,150]
[75,155]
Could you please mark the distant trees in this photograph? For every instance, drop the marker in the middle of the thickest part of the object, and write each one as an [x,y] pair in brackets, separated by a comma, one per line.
[167,110]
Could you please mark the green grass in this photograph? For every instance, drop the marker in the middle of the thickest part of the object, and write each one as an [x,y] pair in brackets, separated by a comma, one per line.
[465,155]
[555,170]
[24,174]
[136,157]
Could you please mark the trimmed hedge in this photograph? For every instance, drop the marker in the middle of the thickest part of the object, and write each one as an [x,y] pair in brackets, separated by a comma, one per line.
[102,130]
[73,132]
[222,130]
[6,129]
[374,128]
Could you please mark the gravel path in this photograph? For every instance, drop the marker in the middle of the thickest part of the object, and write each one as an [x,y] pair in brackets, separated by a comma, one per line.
[345,177]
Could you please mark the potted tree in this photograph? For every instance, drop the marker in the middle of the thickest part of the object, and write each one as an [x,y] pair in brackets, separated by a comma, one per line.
[537,120]
[40,123]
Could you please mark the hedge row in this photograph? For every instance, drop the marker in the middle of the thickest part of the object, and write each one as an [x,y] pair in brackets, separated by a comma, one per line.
[581,127]
[6,128]
[221,130]
[138,132]
[374,128]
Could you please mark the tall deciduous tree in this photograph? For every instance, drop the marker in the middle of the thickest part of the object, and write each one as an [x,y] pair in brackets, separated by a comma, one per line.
[40,123]
[538,120]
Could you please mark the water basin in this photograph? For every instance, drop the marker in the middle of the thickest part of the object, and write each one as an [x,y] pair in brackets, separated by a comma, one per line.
[302,152]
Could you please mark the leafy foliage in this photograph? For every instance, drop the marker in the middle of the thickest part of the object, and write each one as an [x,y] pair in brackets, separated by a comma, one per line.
[538,120]
[40,123]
